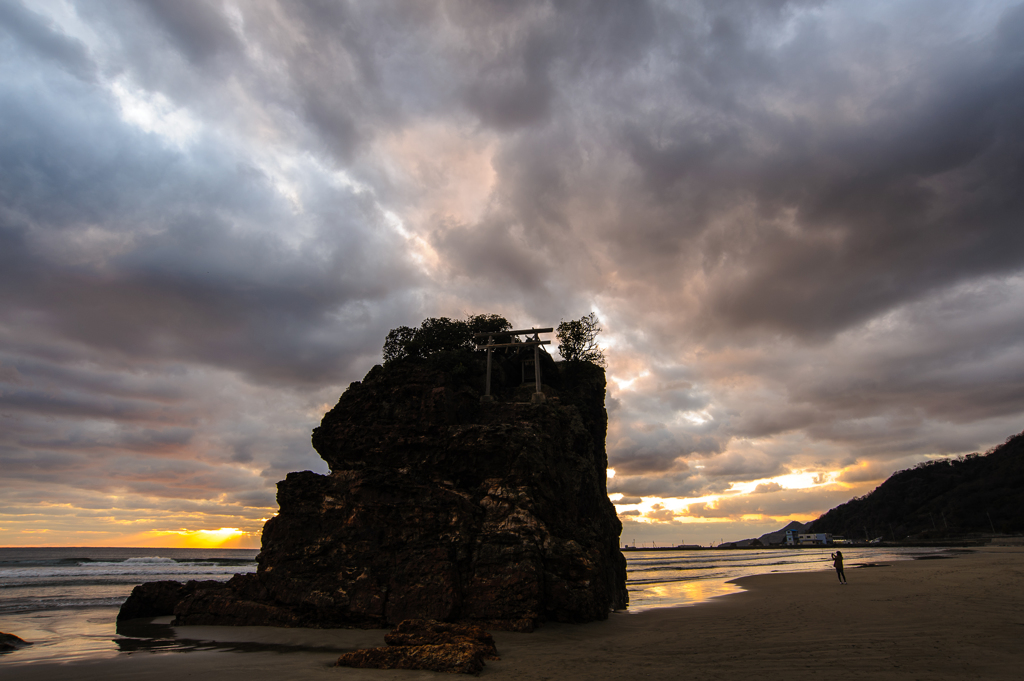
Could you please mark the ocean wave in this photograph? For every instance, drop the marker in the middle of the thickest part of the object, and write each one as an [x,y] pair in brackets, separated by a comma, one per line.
[149,559]
[142,562]
[32,605]
[144,571]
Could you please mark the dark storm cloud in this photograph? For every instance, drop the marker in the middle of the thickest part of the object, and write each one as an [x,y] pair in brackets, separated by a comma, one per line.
[650,449]
[916,382]
[649,436]
[711,473]
[34,34]
[689,484]
[740,467]
[81,406]
[197,28]
[917,195]
[809,222]
[335,74]
[184,265]
[531,52]
[52,375]
[491,252]
[516,93]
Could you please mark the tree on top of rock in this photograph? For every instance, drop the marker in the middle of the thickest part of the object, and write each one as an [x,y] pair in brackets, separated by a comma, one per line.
[439,334]
[482,323]
[577,340]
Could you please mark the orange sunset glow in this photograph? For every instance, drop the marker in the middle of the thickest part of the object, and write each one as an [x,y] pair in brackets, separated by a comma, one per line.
[225,537]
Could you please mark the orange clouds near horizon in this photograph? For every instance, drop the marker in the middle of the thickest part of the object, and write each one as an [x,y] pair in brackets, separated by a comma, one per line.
[221,538]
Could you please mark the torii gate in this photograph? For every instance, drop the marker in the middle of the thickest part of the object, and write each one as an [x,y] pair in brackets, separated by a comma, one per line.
[532,338]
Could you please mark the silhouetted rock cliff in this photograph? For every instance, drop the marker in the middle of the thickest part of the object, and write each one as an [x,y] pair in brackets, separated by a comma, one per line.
[439,507]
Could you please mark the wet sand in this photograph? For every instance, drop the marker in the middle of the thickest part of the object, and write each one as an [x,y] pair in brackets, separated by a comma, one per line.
[956,618]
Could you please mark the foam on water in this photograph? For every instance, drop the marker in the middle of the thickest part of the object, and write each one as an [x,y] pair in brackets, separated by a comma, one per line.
[144,560]
[33,580]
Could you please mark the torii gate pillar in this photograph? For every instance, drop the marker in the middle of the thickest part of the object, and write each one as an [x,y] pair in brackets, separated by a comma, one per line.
[538,395]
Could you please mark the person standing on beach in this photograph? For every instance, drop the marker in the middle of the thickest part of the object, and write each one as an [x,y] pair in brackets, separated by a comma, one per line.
[837,561]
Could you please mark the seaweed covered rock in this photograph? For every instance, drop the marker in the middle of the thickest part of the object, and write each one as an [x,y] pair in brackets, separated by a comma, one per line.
[155,599]
[9,642]
[430,645]
[432,632]
[441,507]
[454,658]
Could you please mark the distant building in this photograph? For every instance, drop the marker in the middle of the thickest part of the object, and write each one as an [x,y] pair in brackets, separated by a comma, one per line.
[796,538]
[816,538]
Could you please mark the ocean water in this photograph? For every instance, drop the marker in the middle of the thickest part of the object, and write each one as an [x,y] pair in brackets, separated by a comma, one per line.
[657,579]
[65,600]
[40,579]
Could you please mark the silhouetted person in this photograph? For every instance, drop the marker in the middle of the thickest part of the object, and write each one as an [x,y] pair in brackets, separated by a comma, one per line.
[837,561]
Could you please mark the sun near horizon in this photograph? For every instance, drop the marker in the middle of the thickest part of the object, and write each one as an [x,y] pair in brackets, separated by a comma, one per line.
[221,538]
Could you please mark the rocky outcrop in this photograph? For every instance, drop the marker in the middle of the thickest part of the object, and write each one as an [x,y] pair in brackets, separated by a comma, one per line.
[430,645]
[432,633]
[440,507]
[9,642]
[454,658]
[154,599]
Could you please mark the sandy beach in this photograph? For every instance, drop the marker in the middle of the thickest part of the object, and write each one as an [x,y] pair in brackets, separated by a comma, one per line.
[955,618]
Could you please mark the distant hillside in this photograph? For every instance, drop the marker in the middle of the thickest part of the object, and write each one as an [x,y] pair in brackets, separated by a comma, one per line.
[779,536]
[768,539]
[974,493]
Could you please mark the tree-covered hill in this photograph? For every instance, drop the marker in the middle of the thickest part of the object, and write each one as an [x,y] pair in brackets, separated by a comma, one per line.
[974,493]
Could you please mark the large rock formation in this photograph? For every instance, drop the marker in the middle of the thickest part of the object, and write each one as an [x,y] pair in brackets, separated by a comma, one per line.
[441,507]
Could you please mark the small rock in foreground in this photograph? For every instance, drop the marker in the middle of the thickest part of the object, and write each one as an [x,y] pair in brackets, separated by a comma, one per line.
[429,645]
[156,599]
[431,632]
[11,642]
[454,658]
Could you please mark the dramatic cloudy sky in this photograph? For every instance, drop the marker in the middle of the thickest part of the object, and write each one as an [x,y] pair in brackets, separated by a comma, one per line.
[801,224]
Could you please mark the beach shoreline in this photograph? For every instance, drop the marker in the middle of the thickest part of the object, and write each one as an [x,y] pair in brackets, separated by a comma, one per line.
[935,619]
